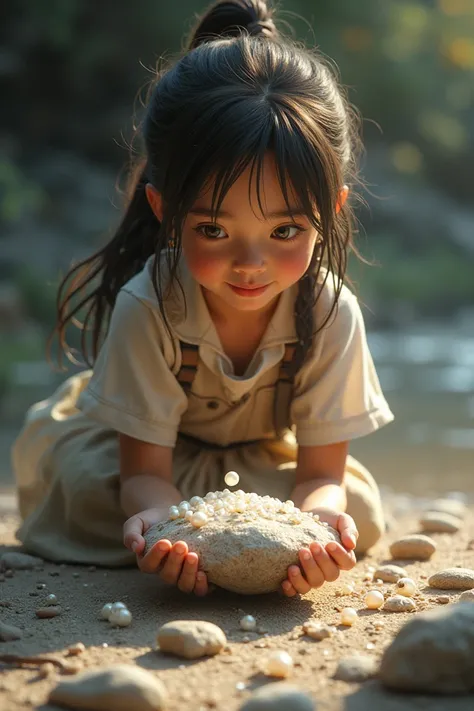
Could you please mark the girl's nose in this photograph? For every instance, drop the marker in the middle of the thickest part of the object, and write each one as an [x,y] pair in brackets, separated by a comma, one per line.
[249,261]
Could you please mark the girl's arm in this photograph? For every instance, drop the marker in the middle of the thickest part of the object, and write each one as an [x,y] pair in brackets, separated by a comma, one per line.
[146,477]
[320,477]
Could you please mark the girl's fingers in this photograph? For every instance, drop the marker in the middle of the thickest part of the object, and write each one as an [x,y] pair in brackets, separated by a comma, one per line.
[345,560]
[201,587]
[311,569]
[325,562]
[187,579]
[288,589]
[296,579]
[174,562]
[132,532]
[155,556]
[348,531]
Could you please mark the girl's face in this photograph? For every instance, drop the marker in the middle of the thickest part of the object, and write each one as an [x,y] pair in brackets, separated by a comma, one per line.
[245,259]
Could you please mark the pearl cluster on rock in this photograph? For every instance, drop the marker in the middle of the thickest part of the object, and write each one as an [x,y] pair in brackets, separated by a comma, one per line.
[224,504]
[117,614]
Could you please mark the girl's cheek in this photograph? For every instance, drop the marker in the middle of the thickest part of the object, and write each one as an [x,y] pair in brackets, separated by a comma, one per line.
[292,266]
[202,266]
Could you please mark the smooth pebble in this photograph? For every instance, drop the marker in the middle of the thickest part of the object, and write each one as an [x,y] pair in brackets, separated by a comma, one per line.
[399,603]
[439,522]
[452,579]
[279,696]
[191,639]
[356,669]
[449,506]
[414,547]
[318,630]
[47,612]
[432,653]
[8,633]
[390,573]
[467,596]
[122,687]
[20,561]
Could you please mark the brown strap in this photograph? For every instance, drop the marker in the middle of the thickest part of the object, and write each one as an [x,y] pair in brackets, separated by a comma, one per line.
[189,362]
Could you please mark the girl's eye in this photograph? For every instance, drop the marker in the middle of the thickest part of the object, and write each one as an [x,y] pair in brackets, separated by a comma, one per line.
[286,233]
[210,231]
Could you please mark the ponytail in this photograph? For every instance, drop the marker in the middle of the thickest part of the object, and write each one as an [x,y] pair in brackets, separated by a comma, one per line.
[122,257]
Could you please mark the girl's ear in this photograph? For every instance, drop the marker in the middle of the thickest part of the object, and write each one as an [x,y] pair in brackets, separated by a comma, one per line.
[343,194]
[155,201]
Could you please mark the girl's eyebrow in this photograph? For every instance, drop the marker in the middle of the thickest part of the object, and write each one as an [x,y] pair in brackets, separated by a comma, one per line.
[206,212]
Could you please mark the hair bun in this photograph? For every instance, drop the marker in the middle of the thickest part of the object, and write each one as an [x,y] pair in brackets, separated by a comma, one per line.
[229,18]
[262,27]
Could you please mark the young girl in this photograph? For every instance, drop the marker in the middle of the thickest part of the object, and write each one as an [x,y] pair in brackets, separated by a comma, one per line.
[230,342]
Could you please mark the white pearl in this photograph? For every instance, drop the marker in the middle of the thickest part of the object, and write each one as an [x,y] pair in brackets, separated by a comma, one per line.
[232,478]
[173,513]
[120,618]
[117,606]
[211,496]
[406,587]
[196,501]
[248,623]
[349,616]
[198,519]
[183,508]
[374,599]
[279,664]
[188,515]
[347,589]
[51,599]
[106,610]
[184,505]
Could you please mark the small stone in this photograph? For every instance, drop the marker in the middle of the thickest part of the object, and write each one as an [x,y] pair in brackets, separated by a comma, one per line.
[438,522]
[453,579]
[448,506]
[318,630]
[398,603]
[279,696]
[47,612]
[467,596]
[442,599]
[121,688]
[433,653]
[191,639]
[40,586]
[75,649]
[8,633]
[414,547]
[20,561]
[278,664]
[357,668]
[9,573]
[390,573]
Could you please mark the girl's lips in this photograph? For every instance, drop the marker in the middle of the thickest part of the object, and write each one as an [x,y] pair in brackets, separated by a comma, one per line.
[249,291]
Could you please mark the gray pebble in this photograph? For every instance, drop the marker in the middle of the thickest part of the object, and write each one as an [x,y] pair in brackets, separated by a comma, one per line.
[8,633]
[47,612]
[122,687]
[432,653]
[279,696]
[191,639]
[20,561]
[467,596]
[414,547]
[357,668]
[453,579]
[399,603]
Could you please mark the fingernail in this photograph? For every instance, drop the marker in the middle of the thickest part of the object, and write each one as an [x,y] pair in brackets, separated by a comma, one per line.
[163,547]
[316,548]
[180,549]
[287,585]
[134,546]
[353,539]
[306,555]
[331,547]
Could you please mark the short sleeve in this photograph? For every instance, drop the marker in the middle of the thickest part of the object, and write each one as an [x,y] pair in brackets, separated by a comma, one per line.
[337,392]
[133,389]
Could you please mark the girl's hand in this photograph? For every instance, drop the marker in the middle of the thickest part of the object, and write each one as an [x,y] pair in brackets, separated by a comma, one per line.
[320,565]
[174,563]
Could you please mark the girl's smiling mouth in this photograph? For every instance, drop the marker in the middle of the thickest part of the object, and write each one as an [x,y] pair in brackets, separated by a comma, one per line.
[251,291]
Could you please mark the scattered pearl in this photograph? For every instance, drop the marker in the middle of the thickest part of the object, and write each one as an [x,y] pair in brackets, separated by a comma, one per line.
[347,589]
[174,513]
[406,587]
[279,664]
[349,616]
[106,610]
[51,600]
[248,623]
[374,599]
[232,478]
[198,519]
[120,617]
[117,606]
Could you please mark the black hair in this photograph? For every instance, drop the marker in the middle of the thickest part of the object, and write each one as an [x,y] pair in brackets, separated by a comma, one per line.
[239,91]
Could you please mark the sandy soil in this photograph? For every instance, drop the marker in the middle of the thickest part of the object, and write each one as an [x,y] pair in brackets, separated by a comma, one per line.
[211,683]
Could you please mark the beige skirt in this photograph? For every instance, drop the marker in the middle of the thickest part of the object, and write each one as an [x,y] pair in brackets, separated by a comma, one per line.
[67,473]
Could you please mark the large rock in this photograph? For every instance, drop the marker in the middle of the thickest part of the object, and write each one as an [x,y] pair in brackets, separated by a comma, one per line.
[118,688]
[433,653]
[248,557]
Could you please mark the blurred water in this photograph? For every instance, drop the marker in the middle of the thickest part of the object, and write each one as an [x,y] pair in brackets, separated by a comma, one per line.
[428,377]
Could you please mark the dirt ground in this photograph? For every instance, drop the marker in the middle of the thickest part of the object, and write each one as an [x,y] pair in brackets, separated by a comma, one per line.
[212,683]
